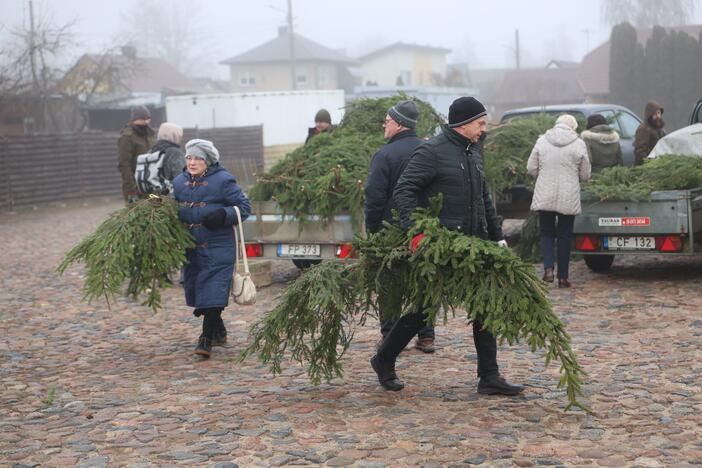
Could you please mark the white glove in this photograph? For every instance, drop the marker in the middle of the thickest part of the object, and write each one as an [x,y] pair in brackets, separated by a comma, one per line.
[503,243]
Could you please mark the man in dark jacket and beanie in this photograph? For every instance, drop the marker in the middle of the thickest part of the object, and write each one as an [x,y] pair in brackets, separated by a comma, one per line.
[649,132]
[447,164]
[135,138]
[322,123]
[386,166]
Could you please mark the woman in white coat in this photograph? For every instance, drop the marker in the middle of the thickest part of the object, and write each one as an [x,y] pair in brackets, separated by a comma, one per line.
[559,162]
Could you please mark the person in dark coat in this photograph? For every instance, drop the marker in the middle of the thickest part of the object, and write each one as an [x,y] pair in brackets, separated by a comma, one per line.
[386,166]
[135,138]
[447,164]
[649,132]
[602,143]
[208,193]
[322,123]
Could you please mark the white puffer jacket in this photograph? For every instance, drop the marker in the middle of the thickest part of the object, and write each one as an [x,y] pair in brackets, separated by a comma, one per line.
[559,162]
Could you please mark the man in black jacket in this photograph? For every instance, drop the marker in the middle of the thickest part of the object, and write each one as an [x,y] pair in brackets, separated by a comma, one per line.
[386,166]
[447,164]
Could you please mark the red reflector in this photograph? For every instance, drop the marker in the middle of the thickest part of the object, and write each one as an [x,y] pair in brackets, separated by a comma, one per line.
[345,251]
[668,243]
[587,242]
[254,250]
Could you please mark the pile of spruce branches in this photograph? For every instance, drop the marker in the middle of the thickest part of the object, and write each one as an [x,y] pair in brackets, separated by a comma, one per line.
[670,172]
[326,176]
[314,321]
[140,244]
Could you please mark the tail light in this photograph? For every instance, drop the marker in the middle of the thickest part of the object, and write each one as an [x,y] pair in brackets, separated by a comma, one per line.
[254,249]
[668,243]
[345,251]
[587,242]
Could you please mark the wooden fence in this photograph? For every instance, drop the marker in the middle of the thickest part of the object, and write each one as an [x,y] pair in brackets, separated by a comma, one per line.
[41,169]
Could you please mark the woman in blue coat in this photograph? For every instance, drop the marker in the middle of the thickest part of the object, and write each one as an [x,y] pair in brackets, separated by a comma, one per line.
[207,194]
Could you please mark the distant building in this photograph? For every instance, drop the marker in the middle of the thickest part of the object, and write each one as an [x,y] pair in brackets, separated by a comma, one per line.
[268,66]
[593,73]
[108,85]
[526,87]
[97,76]
[505,89]
[402,64]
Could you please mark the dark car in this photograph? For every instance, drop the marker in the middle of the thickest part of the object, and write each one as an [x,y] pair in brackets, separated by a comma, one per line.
[623,120]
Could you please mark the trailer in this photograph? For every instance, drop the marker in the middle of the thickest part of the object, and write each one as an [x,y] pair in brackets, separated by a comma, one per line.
[270,233]
[669,223]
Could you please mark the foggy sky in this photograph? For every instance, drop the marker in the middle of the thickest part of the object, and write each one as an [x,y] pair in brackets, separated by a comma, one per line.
[479,32]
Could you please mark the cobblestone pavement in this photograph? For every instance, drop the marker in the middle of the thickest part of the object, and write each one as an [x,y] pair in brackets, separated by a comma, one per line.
[84,385]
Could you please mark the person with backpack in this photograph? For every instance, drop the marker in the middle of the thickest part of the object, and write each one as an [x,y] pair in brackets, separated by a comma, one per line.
[207,194]
[156,169]
[135,138]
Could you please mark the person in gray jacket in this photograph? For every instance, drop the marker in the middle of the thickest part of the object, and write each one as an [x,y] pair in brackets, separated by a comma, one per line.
[559,162]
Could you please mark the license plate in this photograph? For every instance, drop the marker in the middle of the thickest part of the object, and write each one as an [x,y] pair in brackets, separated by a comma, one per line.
[299,250]
[629,243]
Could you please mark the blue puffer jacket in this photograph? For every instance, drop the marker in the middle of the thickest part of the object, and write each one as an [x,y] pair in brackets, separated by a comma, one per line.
[208,273]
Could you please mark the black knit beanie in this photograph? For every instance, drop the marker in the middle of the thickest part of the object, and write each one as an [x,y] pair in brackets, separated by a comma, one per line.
[322,115]
[465,110]
[594,120]
[405,113]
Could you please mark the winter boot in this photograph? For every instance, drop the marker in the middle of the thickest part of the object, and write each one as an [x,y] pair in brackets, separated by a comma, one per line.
[220,331]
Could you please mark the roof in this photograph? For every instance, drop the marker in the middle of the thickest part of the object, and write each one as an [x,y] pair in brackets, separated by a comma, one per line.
[403,45]
[146,74]
[594,70]
[538,85]
[278,50]
[562,64]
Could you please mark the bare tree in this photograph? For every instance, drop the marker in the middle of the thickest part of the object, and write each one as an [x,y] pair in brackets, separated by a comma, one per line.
[648,13]
[29,59]
[171,30]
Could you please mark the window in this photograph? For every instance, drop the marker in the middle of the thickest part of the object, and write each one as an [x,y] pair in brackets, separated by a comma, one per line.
[611,120]
[247,78]
[301,75]
[629,124]
[322,76]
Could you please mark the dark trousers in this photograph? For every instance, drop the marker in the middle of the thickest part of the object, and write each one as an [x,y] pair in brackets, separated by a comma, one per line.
[426,332]
[211,321]
[409,325]
[556,226]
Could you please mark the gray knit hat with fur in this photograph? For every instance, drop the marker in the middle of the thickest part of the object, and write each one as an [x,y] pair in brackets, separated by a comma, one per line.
[203,149]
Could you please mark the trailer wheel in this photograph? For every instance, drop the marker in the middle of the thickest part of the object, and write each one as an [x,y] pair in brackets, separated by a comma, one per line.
[599,263]
[302,264]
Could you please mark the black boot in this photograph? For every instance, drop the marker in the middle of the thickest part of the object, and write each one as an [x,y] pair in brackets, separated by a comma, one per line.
[204,343]
[386,374]
[496,385]
[220,331]
[204,346]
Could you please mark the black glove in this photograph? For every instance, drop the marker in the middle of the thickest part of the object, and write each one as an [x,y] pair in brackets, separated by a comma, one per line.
[215,220]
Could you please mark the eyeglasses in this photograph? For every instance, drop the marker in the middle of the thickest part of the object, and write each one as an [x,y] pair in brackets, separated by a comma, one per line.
[190,157]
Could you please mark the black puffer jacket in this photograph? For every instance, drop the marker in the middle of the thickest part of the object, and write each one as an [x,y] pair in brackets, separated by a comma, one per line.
[386,166]
[447,164]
